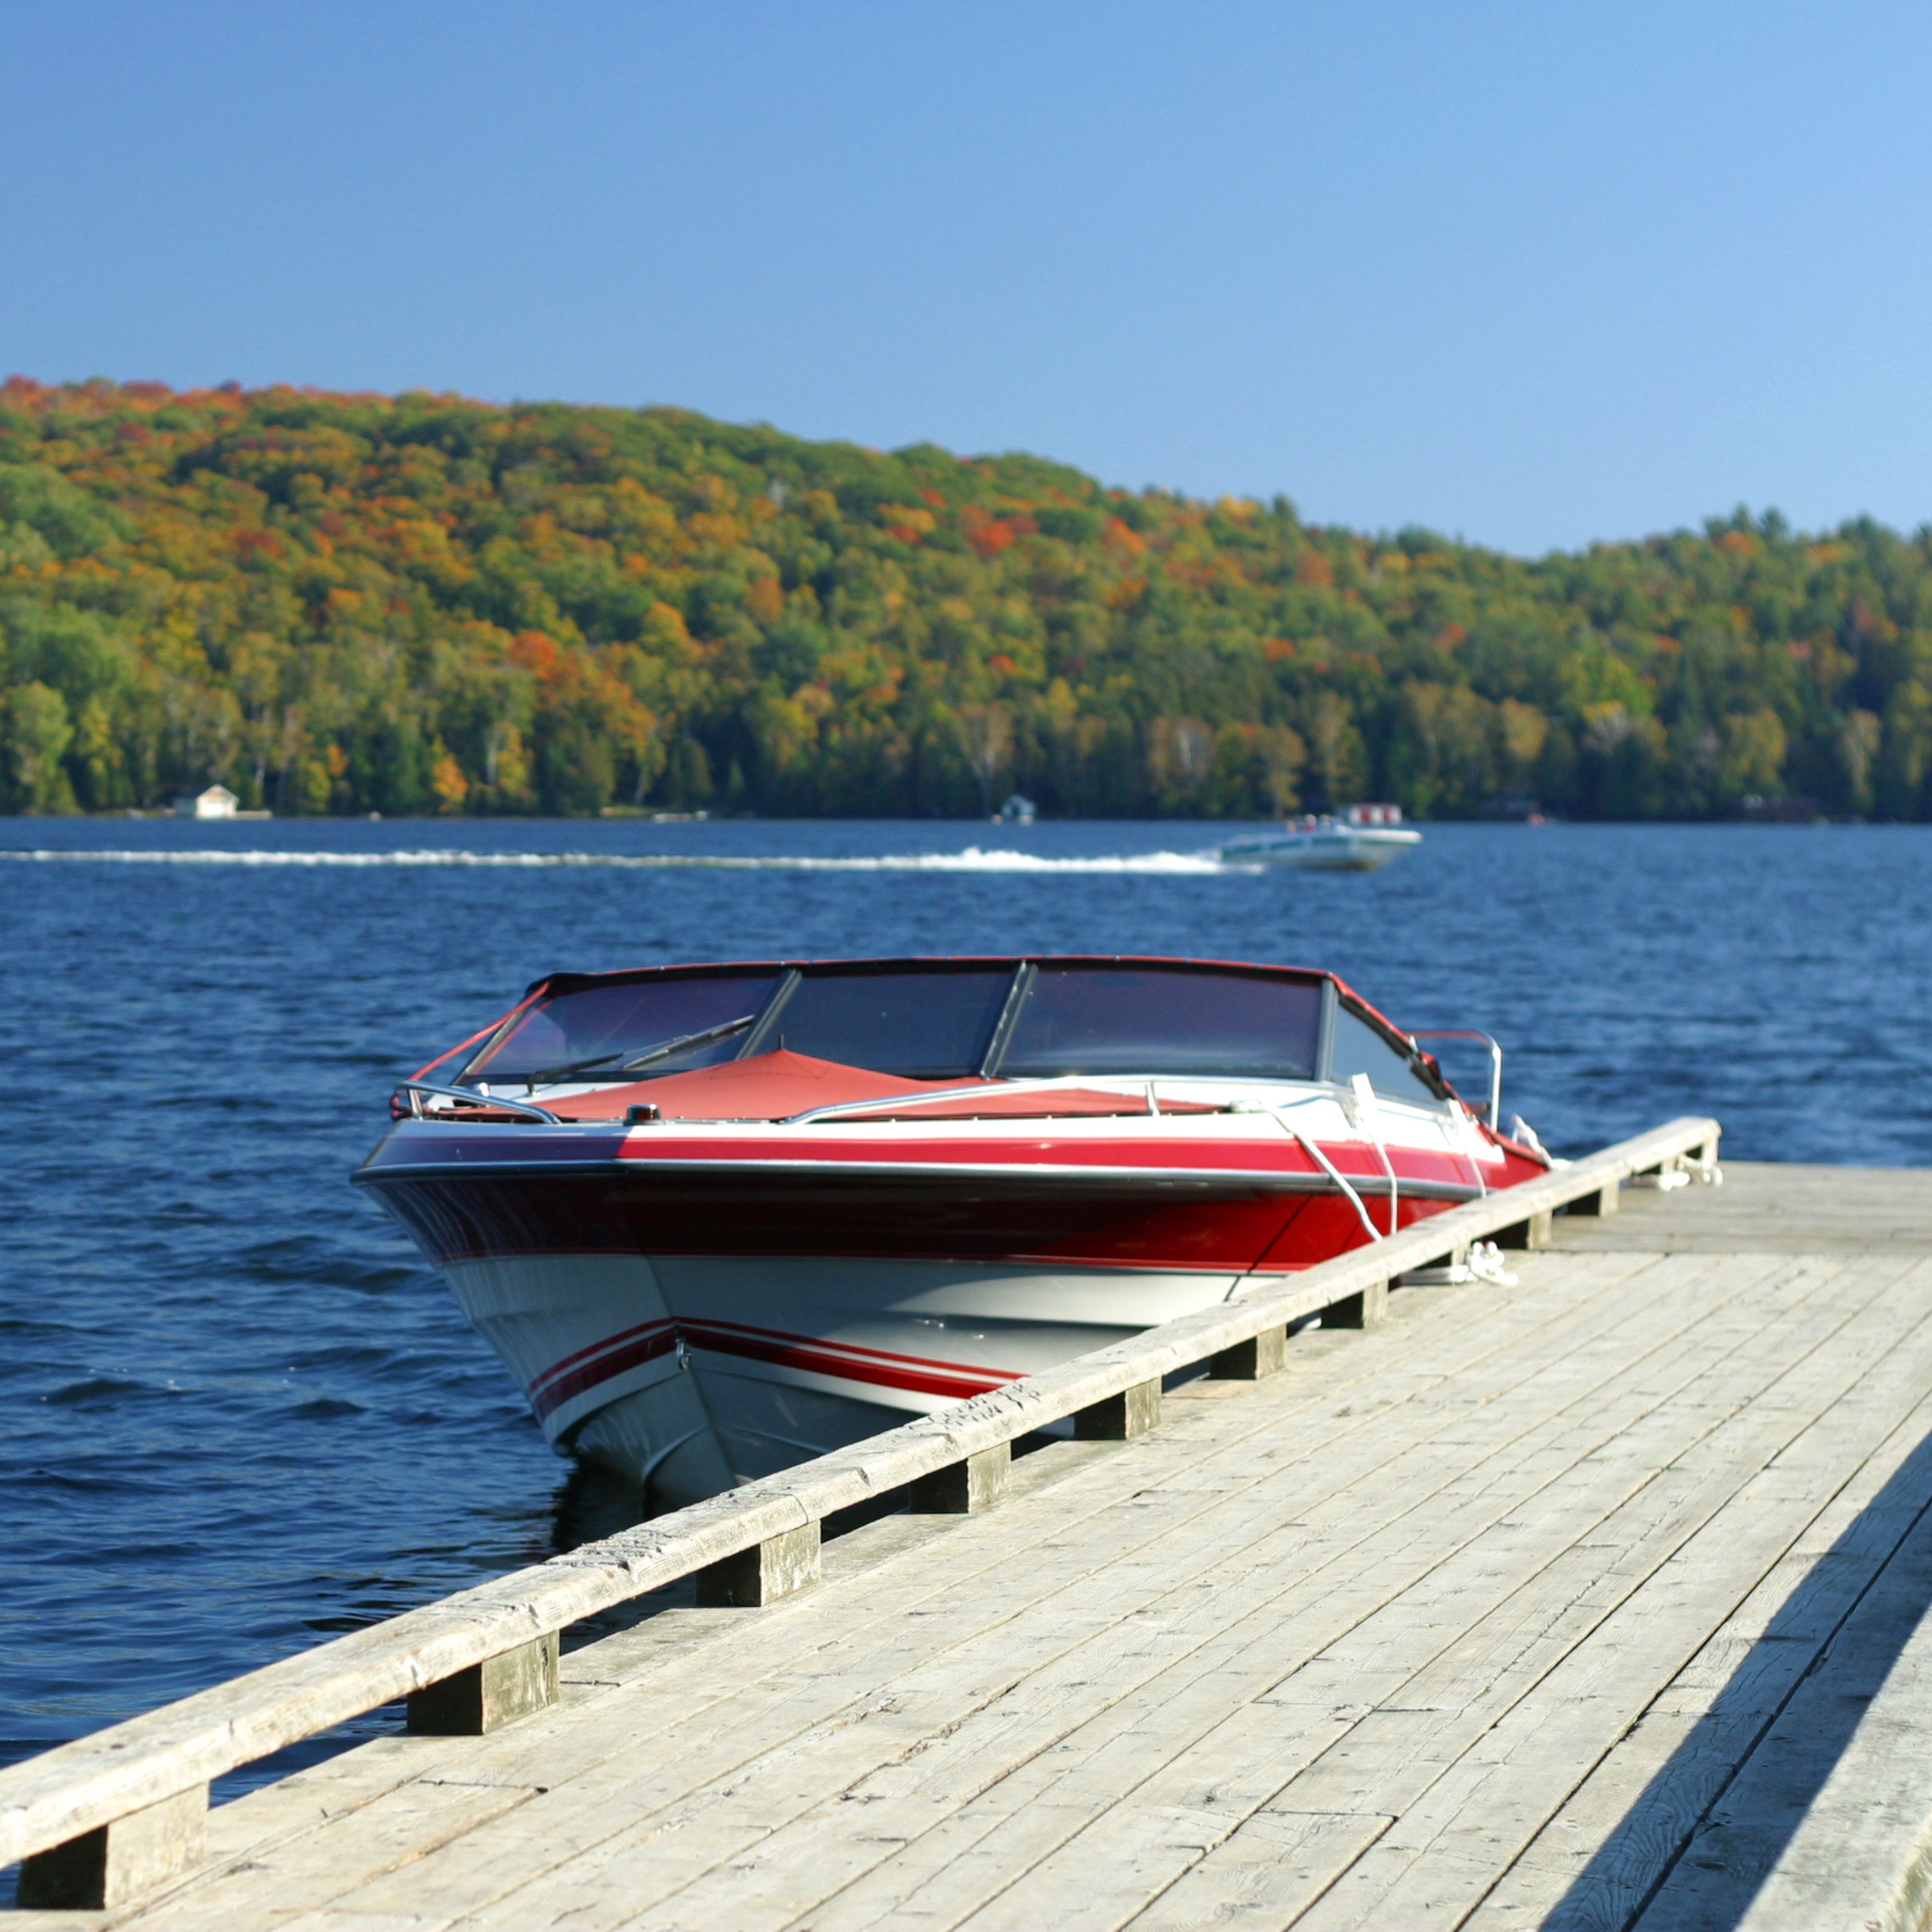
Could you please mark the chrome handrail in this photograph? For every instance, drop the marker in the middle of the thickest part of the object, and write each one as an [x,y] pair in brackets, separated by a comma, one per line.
[1140,1086]
[415,1089]
[1043,1085]
[1496,1113]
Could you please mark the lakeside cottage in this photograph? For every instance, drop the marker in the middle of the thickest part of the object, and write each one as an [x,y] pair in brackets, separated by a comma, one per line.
[217,801]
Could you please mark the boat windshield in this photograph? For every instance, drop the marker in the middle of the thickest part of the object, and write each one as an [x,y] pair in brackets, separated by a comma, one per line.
[595,1033]
[921,1021]
[930,1024]
[1359,1048]
[1103,1018]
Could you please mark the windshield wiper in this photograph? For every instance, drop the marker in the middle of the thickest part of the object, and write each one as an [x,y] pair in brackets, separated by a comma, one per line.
[644,1059]
[704,1038]
[546,1074]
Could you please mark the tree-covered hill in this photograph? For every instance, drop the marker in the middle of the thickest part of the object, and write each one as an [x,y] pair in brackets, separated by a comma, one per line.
[353,603]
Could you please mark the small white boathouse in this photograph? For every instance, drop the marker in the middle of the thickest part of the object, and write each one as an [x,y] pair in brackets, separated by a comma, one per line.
[217,801]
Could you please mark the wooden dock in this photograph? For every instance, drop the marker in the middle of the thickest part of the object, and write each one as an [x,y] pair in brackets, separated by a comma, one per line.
[1591,1600]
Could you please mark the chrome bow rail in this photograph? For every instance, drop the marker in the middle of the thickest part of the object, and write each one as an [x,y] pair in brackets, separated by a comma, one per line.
[1495,1115]
[470,1097]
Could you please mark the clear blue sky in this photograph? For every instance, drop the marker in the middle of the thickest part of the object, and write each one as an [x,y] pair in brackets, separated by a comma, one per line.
[1535,273]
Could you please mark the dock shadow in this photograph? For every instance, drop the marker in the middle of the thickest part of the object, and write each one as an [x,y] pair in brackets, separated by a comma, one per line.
[1695,1847]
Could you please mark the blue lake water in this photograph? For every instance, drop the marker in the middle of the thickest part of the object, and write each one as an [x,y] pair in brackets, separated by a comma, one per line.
[237,1414]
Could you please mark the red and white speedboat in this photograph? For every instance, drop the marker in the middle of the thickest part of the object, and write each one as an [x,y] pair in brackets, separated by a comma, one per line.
[720,1219]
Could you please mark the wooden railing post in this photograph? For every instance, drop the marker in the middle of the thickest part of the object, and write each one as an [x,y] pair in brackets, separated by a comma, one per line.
[1598,1200]
[768,1571]
[1120,1417]
[1534,1233]
[964,1489]
[114,1863]
[1263,1354]
[488,1695]
[1368,1309]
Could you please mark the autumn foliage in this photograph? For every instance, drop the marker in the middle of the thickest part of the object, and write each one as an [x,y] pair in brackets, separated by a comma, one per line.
[421,604]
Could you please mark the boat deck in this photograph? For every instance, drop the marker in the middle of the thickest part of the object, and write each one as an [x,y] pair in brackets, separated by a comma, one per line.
[1591,1601]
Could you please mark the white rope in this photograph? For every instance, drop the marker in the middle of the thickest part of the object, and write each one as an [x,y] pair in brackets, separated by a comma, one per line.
[1335,1175]
[1365,1105]
[1388,1168]
[1466,1131]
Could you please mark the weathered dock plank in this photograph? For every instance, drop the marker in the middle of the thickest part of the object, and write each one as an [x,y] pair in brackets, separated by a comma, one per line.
[1574,1602]
[1766,1207]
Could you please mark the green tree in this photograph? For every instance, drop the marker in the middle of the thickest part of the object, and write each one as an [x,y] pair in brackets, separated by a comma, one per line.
[37,733]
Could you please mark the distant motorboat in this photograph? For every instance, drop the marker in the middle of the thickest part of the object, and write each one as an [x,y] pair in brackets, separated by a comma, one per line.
[1017,810]
[1359,839]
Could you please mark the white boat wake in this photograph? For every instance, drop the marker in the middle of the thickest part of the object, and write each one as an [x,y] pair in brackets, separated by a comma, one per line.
[973,859]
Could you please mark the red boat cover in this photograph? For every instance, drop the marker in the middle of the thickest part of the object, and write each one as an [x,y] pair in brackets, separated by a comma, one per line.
[769,1087]
[775,1086]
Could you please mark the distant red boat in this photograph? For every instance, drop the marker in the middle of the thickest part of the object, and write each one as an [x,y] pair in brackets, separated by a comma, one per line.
[720,1219]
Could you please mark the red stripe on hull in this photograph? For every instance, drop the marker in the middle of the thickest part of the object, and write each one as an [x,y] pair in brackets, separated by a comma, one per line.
[643,1344]
[616,1355]
[597,1347]
[846,1147]
[800,1351]
[1042,1157]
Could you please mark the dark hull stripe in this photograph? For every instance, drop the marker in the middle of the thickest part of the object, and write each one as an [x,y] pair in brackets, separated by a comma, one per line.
[1229,1225]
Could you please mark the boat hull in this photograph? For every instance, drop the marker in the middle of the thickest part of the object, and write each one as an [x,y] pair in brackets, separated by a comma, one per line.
[696,1326]
[689,1374]
[1339,851]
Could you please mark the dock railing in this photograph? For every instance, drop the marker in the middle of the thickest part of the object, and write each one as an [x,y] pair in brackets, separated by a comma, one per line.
[113,1817]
